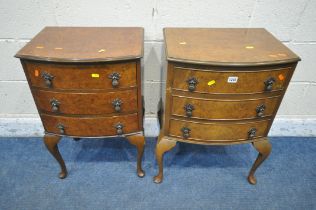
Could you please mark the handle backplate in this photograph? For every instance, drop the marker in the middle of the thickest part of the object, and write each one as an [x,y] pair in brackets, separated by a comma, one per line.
[117,104]
[186,132]
[54,105]
[115,77]
[119,128]
[260,110]
[252,133]
[269,83]
[61,128]
[48,78]
[188,109]
[192,83]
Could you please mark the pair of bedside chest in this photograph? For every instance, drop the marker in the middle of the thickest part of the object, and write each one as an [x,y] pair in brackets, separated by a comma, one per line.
[223,86]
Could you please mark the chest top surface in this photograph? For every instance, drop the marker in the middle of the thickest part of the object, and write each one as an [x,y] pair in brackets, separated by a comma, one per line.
[229,46]
[85,44]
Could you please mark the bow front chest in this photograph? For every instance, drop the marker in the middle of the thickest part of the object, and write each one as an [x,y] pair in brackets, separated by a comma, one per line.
[223,86]
[86,82]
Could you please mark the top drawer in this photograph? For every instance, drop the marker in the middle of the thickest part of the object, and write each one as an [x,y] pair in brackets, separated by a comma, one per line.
[230,82]
[81,76]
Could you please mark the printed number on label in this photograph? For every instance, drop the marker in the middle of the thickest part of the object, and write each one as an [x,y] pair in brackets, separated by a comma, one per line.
[232,79]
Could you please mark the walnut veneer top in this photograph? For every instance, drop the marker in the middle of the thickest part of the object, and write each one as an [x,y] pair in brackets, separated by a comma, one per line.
[85,44]
[226,47]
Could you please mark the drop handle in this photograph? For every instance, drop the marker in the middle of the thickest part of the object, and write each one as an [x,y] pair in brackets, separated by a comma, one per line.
[185,132]
[61,128]
[119,128]
[188,109]
[252,133]
[260,110]
[54,105]
[192,83]
[115,77]
[48,79]
[269,83]
[117,103]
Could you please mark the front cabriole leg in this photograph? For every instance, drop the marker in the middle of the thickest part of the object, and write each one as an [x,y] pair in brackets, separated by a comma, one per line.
[139,142]
[51,142]
[163,145]
[264,148]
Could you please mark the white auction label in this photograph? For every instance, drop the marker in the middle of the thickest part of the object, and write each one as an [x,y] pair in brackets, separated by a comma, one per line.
[232,79]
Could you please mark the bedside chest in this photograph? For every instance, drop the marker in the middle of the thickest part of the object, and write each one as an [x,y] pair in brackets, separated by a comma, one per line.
[86,82]
[224,86]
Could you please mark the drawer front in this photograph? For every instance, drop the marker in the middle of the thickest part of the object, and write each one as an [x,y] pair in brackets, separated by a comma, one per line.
[90,126]
[223,82]
[223,109]
[81,76]
[86,103]
[218,131]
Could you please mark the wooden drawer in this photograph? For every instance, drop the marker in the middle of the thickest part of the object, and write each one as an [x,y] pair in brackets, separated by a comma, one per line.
[80,76]
[217,131]
[90,126]
[224,82]
[86,103]
[220,109]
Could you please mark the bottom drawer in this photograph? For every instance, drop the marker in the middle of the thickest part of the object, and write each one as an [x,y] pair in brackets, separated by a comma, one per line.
[218,131]
[90,126]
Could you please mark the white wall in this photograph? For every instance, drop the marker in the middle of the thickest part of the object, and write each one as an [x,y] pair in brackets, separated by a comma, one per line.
[292,21]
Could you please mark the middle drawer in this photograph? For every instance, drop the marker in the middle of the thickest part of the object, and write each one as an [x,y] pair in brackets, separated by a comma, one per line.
[220,109]
[86,103]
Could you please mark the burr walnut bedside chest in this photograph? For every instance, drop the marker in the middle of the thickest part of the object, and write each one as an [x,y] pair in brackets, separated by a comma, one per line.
[224,86]
[86,82]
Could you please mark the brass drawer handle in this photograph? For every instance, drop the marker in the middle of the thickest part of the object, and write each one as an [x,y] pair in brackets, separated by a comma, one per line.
[188,109]
[117,104]
[260,110]
[192,82]
[119,128]
[252,133]
[115,78]
[61,128]
[185,132]
[48,78]
[269,83]
[55,105]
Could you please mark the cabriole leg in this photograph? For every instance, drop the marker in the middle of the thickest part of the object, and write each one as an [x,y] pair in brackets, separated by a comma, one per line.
[139,142]
[51,142]
[264,149]
[163,145]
